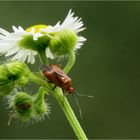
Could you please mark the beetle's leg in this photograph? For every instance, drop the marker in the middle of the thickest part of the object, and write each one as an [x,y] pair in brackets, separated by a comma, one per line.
[65,93]
[50,81]
[54,87]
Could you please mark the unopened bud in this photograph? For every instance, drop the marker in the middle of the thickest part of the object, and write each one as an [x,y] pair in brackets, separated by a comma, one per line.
[63,42]
[23,106]
[12,75]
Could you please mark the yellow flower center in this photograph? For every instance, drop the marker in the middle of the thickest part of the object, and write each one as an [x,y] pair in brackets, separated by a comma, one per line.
[36,27]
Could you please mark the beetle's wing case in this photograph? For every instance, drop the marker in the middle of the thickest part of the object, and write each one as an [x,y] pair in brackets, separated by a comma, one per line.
[60,73]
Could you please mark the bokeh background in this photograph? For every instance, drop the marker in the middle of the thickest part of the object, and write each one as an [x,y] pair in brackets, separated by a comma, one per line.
[107,67]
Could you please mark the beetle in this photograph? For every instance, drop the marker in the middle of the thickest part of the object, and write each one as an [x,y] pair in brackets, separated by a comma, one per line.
[57,76]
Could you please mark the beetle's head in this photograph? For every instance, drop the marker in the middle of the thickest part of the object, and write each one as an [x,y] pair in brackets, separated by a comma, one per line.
[71,90]
[45,68]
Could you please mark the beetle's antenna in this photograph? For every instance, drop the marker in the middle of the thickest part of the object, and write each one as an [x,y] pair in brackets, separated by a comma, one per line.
[88,96]
[80,111]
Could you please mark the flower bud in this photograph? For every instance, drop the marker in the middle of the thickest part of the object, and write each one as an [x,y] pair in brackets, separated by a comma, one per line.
[63,42]
[23,105]
[12,75]
[28,107]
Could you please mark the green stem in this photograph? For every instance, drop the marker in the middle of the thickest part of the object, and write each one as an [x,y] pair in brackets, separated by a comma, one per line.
[70,63]
[42,57]
[42,91]
[63,102]
[39,81]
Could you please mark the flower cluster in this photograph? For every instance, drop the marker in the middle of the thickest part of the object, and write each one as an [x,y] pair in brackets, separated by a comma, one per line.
[59,39]
[22,46]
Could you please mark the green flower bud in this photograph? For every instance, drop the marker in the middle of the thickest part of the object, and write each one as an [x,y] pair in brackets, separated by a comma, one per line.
[27,108]
[41,107]
[12,75]
[23,106]
[63,42]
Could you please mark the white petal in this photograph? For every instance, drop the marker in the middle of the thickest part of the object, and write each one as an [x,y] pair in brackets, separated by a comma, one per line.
[20,28]
[24,55]
[17,56]
[15,29]
[4,32]
[31,58]
[24,58]
[49,54]
[81,38]
[4,48]
[2,36]
[12,51]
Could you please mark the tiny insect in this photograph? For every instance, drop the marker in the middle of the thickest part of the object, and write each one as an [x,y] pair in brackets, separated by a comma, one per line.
[57,76]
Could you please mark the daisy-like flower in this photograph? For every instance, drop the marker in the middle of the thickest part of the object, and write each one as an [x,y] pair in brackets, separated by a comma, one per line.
[71,23]
[24,45]
[21,44]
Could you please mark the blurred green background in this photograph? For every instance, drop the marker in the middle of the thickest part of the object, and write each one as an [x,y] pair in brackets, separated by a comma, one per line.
[107,67]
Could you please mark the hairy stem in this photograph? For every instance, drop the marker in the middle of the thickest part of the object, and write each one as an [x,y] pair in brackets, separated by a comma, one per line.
[39,81]
[42,91]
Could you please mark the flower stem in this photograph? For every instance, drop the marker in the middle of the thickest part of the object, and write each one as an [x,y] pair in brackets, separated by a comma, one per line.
[63,102]
[42,91]
[70,63]
[39,81]
[42,57]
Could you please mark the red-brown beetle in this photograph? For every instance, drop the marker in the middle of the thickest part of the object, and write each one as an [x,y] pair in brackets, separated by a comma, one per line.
[58,77]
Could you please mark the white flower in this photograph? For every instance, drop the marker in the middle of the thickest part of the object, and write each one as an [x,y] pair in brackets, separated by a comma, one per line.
[9,44]
[71,23]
